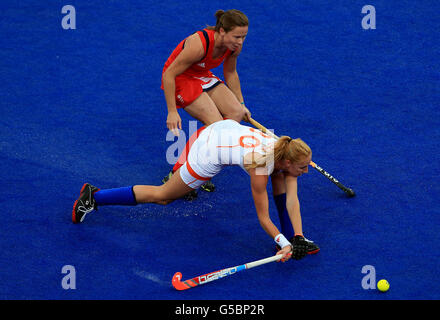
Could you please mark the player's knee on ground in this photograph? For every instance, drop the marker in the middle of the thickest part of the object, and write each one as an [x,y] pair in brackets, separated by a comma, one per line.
[164,202]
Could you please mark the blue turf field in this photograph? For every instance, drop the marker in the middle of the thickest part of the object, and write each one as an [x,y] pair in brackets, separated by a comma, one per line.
[85,105]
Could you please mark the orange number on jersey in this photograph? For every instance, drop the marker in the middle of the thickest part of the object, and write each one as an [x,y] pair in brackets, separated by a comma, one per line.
[255,143]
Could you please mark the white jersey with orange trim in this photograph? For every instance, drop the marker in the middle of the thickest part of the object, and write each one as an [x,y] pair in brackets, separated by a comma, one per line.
[224,143]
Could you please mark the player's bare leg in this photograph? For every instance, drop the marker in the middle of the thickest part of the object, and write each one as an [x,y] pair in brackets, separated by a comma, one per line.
[171,190]
[226,102]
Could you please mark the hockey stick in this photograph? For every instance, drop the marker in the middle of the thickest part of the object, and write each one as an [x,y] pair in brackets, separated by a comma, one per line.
[348,191]
[197,281]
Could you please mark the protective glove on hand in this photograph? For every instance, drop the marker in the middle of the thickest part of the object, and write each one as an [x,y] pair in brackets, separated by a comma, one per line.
[299,247]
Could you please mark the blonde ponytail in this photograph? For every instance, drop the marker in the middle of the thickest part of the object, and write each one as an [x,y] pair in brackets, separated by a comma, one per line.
[291,149]
[285,148]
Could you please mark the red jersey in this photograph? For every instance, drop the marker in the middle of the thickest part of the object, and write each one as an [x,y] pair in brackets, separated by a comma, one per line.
[202,67]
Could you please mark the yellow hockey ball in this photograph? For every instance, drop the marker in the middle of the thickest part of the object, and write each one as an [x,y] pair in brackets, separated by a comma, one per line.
[383,285]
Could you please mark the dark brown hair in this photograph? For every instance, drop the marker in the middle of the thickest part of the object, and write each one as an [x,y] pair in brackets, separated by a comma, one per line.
[229,19]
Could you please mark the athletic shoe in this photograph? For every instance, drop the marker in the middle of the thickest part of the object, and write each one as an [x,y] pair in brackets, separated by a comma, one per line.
[167,177]
[85,203]
[190,196]
[312,248]
[208,186]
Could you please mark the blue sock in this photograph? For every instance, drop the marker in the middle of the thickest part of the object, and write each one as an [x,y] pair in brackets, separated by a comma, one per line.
[286,225]
[118,196]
